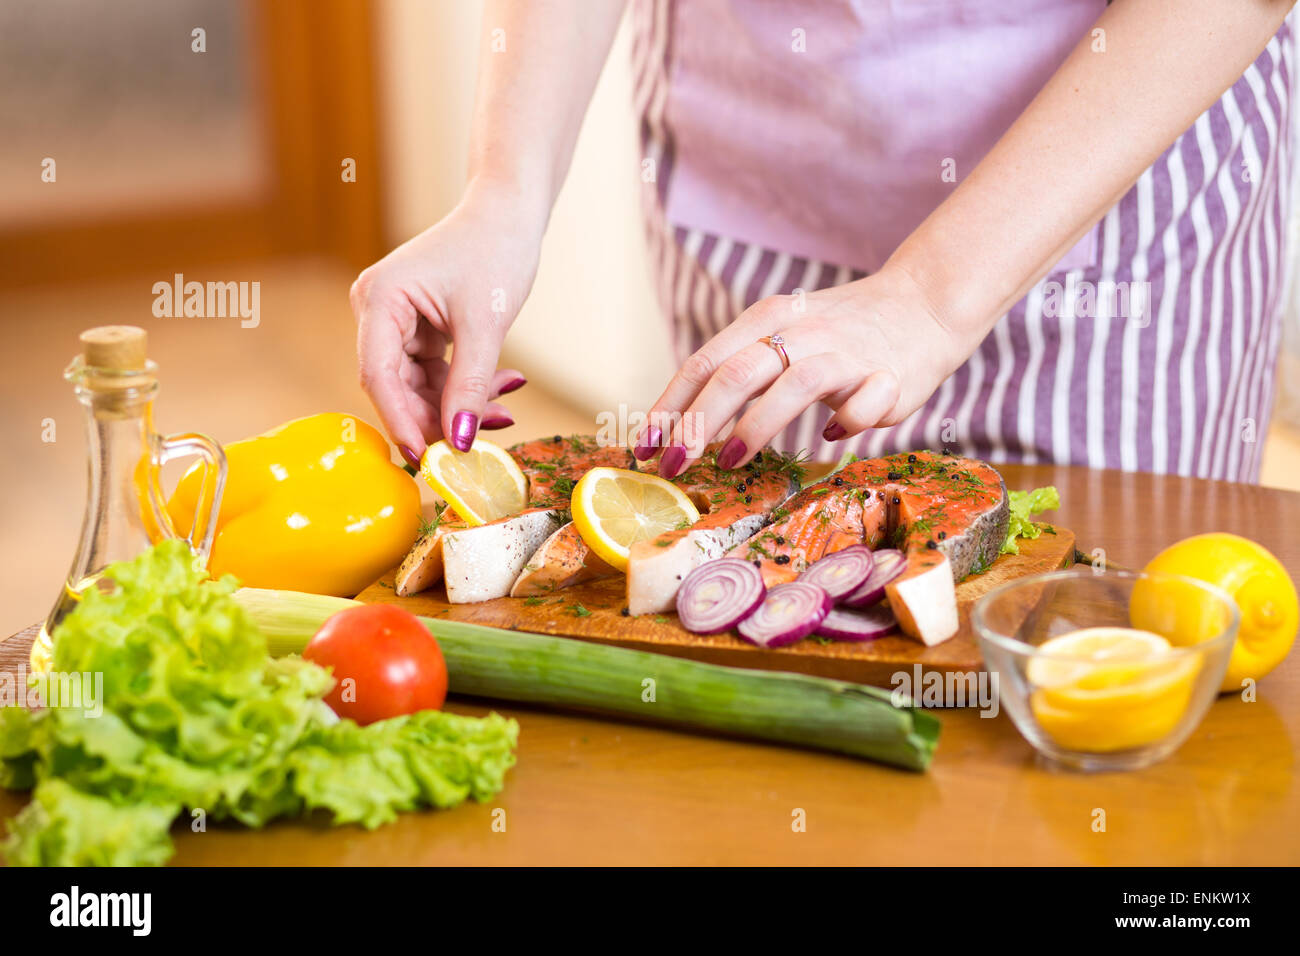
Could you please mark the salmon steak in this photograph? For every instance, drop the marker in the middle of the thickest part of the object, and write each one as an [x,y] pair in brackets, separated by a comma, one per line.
[481,562]
[732,506]
[539,550]
[947,514]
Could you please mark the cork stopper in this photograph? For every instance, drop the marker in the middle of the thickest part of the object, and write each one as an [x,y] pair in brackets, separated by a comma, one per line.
[118,348]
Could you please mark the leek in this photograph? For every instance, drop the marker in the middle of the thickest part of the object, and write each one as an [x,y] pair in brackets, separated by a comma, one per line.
[565,672]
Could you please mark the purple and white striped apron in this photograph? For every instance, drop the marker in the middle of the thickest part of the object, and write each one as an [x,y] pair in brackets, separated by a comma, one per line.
[792,146]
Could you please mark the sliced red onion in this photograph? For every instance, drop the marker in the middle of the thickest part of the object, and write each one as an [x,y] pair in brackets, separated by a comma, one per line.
[789,613]
[717,595]
[889,564]
[846,625]
[841,572]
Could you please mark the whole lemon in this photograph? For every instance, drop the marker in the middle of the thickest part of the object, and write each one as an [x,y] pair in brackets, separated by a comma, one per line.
[1264,592]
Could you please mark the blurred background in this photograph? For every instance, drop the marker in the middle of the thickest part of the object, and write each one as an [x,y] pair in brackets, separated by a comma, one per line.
[209,138]
[227,165]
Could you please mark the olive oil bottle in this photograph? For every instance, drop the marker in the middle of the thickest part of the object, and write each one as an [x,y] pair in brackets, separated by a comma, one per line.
[116,384]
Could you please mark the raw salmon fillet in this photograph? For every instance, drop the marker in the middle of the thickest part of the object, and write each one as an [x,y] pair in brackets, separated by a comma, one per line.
[731,503]
[482,562]
[947,514]
[734,505]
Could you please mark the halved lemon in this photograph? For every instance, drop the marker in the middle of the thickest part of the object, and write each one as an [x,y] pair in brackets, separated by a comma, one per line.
[1119,688]
[481,485]
[614,508]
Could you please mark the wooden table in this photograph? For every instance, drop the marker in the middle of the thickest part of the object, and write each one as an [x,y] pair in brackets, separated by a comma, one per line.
[595,791]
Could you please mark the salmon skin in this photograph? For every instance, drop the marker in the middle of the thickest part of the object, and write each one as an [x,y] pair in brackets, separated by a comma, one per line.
[734,506]
[947,514]
[725,499]
[482,562]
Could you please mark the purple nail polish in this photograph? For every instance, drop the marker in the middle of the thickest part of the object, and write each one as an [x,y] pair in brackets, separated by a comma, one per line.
[649,443]
[834,432]
[511,386]
[463,428]
[490,424]
[732,452]
[671,463]
[412,458]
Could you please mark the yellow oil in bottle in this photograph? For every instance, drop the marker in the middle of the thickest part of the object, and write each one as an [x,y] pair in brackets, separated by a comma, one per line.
[116,384]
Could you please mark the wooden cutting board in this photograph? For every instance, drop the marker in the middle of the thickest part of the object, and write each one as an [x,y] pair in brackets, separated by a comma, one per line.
[592,612]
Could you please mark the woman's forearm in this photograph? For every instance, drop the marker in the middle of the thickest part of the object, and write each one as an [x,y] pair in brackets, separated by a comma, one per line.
[1100,121]
[538,67]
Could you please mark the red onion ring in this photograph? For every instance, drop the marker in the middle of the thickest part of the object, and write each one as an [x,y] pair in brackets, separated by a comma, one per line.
[789,613]
[841,573]
[889,564]
[717,595]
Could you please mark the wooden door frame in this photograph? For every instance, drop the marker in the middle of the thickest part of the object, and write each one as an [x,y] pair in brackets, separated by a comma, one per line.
[315,82]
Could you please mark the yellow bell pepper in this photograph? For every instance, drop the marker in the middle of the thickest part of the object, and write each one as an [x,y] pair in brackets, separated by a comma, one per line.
[314,505]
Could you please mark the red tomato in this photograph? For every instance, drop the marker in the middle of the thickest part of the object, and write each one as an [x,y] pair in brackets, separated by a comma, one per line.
[385,663]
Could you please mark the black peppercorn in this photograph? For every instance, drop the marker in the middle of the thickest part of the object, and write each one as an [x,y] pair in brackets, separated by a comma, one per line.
[931,544]
[783,559]
[749,499]
[837,481]
[894,475]
[897,500]
[625,612]
[780,539]
[911,458]
[942,535]
[740,486]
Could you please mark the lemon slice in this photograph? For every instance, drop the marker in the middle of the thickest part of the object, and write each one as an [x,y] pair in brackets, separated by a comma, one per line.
[1123,688]
[481,485]
[614,508]
[1072,657]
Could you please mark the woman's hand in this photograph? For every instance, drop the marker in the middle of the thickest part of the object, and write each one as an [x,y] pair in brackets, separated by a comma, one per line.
[873,350]
[459,283]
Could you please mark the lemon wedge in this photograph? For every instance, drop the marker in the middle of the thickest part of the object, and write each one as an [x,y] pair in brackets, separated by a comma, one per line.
[481,485]
[1104,689]
[614,508]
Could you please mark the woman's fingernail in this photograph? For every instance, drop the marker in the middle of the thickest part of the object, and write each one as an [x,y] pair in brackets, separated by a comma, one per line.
[834,432]
[731,453]
[511,386]
[412,458]
[649,443]
[671,463]
[503,421]
[463,428]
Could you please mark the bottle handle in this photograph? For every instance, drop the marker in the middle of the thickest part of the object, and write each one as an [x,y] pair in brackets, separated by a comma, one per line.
[172,447]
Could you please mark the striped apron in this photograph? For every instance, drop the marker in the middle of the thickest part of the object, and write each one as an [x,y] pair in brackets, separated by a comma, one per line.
[792,146]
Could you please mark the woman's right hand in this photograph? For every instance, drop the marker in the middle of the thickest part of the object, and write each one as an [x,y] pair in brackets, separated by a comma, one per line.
[459,283]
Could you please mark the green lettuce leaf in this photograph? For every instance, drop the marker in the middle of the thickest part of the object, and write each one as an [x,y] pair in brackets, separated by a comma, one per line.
[1023,504]
[63,826]
[196,715]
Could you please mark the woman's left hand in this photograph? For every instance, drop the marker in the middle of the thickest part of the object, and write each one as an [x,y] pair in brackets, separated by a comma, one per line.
[873,350]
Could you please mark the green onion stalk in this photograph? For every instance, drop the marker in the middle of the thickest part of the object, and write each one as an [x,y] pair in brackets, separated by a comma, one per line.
[563,672]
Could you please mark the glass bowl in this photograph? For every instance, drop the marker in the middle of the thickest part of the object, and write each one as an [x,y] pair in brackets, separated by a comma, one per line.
[1134,704]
